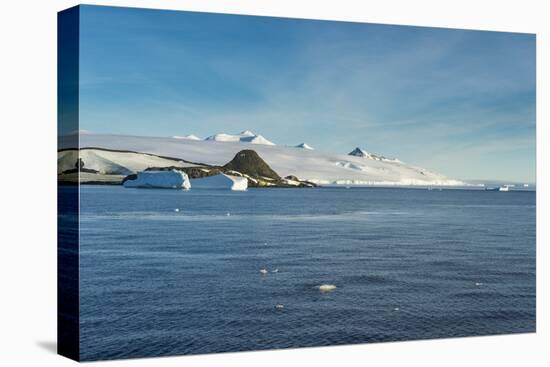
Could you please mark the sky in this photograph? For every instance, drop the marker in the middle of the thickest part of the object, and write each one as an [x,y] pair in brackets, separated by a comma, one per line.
[457,102]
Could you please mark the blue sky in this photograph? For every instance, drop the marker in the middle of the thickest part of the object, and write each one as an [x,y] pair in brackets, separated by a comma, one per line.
[457,102]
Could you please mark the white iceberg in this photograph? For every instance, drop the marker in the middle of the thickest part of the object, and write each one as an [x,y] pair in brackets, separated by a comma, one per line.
[160,179]
[221,181]
[327,287]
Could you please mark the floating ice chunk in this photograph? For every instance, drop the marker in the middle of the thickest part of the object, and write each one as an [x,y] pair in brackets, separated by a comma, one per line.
[275,270]
[221,181]
[327,287]
[160,179]
[478,284]
[176,210]
[227,214]
[396,308]
[279,306]
[263,271]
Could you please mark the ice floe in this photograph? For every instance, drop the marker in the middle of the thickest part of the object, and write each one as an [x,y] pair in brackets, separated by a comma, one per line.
[327,287]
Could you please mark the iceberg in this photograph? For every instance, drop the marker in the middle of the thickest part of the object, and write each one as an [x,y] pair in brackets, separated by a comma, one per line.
[327,287]
[159,179]
[221,181]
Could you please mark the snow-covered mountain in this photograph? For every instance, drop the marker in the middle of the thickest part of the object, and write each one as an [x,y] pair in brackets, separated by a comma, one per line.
[358,152]
[122,153]
[190,137]
[112,162]
[304,146]
[246,136]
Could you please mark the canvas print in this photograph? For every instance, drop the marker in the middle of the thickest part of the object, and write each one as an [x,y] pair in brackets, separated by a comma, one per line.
[236,183]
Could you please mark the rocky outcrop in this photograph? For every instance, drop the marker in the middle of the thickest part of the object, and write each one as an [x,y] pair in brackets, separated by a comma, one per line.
[249,163]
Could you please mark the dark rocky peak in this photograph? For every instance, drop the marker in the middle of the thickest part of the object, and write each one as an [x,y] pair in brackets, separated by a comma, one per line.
[250,163]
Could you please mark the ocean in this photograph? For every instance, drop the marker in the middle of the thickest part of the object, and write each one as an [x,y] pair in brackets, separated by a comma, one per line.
[167,272]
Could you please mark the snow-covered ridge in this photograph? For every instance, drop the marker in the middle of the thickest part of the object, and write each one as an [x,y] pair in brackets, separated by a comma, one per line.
[113,163]
[246,136]
[190,137]
[304,146]
[358,152]
[311,165]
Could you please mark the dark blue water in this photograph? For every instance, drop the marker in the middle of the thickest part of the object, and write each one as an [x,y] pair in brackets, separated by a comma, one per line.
[408,264]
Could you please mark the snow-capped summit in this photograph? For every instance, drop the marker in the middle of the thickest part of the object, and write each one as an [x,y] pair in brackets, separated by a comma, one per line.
[189,137]
[358,152]
[258,139]
[304,146]
[246,136]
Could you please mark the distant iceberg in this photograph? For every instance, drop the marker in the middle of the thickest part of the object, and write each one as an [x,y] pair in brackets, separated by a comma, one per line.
[327,287]
[221,181]
[159,179]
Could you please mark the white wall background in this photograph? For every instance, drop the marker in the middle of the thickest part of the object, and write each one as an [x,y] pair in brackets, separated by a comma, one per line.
[28,182]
